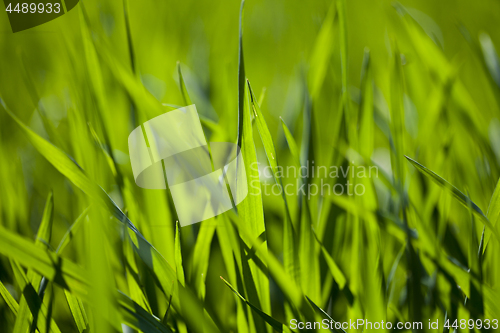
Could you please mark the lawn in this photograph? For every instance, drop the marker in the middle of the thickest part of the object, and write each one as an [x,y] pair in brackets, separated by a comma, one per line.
[370,138]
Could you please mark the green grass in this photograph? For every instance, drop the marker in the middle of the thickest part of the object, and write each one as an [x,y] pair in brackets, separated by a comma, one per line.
[392,86]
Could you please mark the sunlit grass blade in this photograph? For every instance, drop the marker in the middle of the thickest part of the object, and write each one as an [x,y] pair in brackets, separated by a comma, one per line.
[109,158]
[278,327]
[43,241]
[178,255]
[73,229]
[291,290]
[74,173]
[337,274]
[136,317]
[44,262]
[475,263]
[185,95]
[9,300]
[350,117]
[490,57]
[322,52]
[397,121]
[292,145]
[325,314]
[265,135]
[77,311]
[39,312]
[493,214]
[201,256]
[366,122]
[63,272]
[130,44]
[462,198]
[151,257]
[241,79]
[251,209]
[438,65]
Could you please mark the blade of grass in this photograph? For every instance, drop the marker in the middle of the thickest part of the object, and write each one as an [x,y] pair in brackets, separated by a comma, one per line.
[201,256]
[474,261]
[151,257]
[278,327]
[74,173]
[185,95]
[324,314]
[490,57]
[493,214]
[9,300]
[42,241]
[266,138]
[44,262]
[77,311]
[337,274]
[462,198]
[241,79]
[38,310]
[322,52]
[178,255]
[64,273]
[251,209]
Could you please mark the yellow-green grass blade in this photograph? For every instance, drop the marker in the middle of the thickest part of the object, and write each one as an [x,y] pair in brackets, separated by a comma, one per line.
[264,133]
[350,117]
[185,95]
[73,229]
[201,256]
[39,313]
[64,273]
[251,209]
[77,311]
[325,315]
[397,121]
[437,63]
[135,287]
[462,198]
[291,290]
[292,145]
[9,300]
[138,318]
[490,57]
[43,241]
[241,79]
[290,255]
[74,303]
[66,165]
[230,247]
[131,51]
[278,327]
[266,138]
[322,52]
[475,254]
[267,141]
[493,214]
[178,255]
[44,262]
[337,274]
[366,124]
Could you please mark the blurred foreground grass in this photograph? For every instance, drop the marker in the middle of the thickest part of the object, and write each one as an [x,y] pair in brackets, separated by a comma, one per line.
[355,84]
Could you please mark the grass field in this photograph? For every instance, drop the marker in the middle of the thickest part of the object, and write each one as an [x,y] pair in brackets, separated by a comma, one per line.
[391,110]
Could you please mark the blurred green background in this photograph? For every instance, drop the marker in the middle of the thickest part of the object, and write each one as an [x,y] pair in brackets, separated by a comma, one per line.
[356,83]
